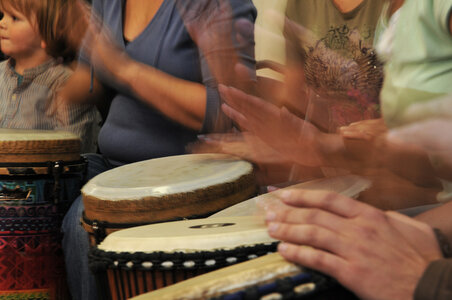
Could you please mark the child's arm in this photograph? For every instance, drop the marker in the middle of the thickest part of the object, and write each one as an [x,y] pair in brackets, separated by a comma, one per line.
[82,120]
[72,109]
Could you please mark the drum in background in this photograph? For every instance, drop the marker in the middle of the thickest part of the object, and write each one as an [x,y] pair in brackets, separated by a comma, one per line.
[164,189]
[266,278]
[133,261]
[40,175]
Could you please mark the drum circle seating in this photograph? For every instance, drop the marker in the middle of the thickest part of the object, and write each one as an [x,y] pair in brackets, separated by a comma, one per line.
[164,189]
[40,175]
[121,275]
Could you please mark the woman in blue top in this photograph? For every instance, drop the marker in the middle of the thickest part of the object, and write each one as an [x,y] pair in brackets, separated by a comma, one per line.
[163,94]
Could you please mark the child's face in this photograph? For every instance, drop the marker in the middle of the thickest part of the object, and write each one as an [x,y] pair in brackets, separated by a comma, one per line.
[18,37]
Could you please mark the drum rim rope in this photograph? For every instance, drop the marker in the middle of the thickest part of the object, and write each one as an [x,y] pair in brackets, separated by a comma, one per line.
[100,260]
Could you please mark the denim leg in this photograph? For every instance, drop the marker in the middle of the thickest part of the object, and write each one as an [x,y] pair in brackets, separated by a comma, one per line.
[75,241]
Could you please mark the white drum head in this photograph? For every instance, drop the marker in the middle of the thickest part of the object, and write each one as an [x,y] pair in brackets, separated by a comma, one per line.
[190,236]
[166,176]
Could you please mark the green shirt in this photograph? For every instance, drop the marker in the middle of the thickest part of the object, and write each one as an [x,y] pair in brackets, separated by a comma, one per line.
[419,68]
[340,64]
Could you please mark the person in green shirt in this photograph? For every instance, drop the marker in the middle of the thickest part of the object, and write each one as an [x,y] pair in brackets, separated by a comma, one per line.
[414,39]
[333,55]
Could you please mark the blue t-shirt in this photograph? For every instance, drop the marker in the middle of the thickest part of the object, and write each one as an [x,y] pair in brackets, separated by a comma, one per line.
[134,130]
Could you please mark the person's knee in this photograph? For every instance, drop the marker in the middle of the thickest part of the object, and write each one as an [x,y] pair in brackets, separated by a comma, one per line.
[71,220]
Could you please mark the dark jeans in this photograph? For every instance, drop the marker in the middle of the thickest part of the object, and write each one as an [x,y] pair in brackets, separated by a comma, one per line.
[75,240]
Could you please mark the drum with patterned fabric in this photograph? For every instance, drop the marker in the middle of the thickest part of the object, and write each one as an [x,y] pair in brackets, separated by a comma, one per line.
[40,175]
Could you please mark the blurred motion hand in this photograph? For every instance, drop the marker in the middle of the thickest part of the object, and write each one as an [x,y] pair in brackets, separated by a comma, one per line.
[375,254]
[365,140]
[367,130]
[295,139]
[211,26]
[244,145]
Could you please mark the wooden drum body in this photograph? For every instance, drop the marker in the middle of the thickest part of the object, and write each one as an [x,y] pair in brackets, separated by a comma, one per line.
[266,278]
[40,175]
[165,189]
[136,260]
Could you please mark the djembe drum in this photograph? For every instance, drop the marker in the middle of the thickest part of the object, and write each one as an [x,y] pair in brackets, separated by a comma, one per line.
[40,175]
[136,260]
[266,278]
[164,189]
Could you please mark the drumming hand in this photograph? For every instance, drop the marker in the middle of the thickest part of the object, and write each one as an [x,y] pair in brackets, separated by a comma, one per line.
[244,145]
[105,54]
[367,130]
[376,255]
[212,27]
[75,23]
[295,139]
[365,139]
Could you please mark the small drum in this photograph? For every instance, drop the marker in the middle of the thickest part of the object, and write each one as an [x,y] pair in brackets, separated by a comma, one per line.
[136,260]
[266,278]
[40,175]
[164,189]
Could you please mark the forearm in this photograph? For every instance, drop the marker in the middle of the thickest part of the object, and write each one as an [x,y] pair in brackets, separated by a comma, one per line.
[439,217]
[81,87]
[82,120]
[181,100]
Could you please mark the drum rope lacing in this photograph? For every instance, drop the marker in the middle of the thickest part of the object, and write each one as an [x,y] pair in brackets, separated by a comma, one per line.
[100,260]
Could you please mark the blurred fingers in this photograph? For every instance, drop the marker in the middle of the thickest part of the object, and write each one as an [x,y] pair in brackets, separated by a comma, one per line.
[314,216]
[257,111]
[307,235]
[236,116]
[325,200]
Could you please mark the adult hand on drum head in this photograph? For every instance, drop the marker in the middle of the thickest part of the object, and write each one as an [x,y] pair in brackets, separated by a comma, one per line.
[376,255]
